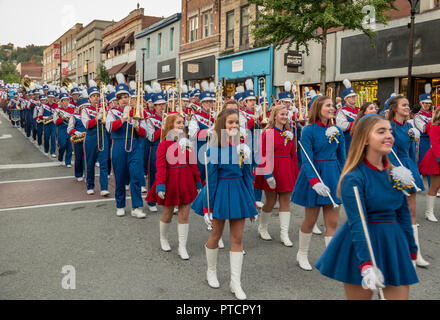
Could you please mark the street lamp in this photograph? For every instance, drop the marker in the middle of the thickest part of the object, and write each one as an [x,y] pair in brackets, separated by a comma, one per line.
[409,90]
[87,72]
[143,64]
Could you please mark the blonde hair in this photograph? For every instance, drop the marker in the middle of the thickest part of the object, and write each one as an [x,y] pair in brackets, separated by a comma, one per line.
[315,109]
[358,147]
[436,117]
[169,125]
[273,114]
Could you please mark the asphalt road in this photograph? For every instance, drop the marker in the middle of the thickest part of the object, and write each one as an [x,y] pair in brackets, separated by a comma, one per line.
[120,258]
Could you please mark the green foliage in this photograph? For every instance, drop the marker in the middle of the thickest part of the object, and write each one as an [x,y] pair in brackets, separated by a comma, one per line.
[299,21]
[8,73]
[21,54]
[102,74]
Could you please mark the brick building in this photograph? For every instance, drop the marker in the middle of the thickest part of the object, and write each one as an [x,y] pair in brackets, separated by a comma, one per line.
[200,40]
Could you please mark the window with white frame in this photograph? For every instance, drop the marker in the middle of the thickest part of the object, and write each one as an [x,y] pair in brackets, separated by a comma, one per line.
[193,28]
[230,29]
[207,23]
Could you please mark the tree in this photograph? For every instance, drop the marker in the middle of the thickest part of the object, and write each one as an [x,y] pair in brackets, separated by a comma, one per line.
[102,74]
[8,73]
[300,21]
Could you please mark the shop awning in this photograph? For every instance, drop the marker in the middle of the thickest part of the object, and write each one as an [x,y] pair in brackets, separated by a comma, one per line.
[105,48]
[116,69]
[129,38]
[116,43]
[129,69]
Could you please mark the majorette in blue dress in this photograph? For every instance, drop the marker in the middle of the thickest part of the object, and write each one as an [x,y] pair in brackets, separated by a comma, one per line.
[389,226]
[231,192]
[405,149]
[328,158]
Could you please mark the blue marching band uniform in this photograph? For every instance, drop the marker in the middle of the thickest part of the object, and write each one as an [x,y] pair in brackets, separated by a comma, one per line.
[231,184]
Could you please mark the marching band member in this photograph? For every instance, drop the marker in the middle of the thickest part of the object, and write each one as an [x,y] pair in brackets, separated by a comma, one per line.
[325,146]
[154,127]
[177,181]
[277,171]
[74,92]
[347,258]
[421,120]
[231,196]
[91,116]
[61,119]
[34,111]
[430,165]
[49,126]
[200,124]
[39,117]
[347,114]
[366,108]
[405,137]
[76,127]
[386,106]
[126,164]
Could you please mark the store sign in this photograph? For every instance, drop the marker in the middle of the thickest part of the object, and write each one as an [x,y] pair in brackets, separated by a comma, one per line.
[166,68]
[193,67]
[237,65]
[293,59]
[56,51]
[65,67]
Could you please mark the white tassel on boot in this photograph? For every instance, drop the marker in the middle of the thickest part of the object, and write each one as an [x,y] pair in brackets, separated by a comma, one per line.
[327,240]
[264,218]
[182,231]
[284,225]
[236,265]
[429,213]
[221,245]
[303,250]
[164,227]
[316,230]
[420,261]
[211,273]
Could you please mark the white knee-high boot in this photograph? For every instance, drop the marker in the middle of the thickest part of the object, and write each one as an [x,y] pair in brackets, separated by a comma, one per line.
[316,230]
[182,231]
[164,227]
[236,265]
[420,261]
[303,251]
[327,240]
[429,213]
[264,222]
[284,225]
[221,245]
[211,273]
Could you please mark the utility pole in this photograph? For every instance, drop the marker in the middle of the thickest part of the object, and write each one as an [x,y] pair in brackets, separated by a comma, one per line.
[410,90]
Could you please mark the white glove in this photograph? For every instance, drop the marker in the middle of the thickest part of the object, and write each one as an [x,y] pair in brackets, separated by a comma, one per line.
[198,191]
[271,182]
[294,109]
[372,278]
[135,124]
[254,218]
[126,112]
[321,189]
[78,134]
[208,219]
[99,115]
[161,195]
[414,264]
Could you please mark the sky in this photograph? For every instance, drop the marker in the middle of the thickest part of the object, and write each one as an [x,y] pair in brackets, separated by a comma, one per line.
[42,22]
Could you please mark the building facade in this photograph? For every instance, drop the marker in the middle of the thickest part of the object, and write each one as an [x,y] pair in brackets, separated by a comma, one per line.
[31,69]
[157,51]
[60,58]
[200,40]
[119,46]
[88,47]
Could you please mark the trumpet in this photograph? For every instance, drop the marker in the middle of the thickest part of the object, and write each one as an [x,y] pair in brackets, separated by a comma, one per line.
[262,89]
[138,112]
[100,126]
[329,92]
[48,120]
[75,139]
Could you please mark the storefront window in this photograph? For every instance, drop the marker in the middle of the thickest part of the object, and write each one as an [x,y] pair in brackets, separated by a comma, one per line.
[366,90]
[436,91]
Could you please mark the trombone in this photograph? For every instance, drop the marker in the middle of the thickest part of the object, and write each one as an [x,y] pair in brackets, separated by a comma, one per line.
[262,89]
[219,98]
[329,93]
[138,113]
[100,126]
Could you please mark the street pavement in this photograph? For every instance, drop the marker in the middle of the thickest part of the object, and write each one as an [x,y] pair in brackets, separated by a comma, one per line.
[49,223]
